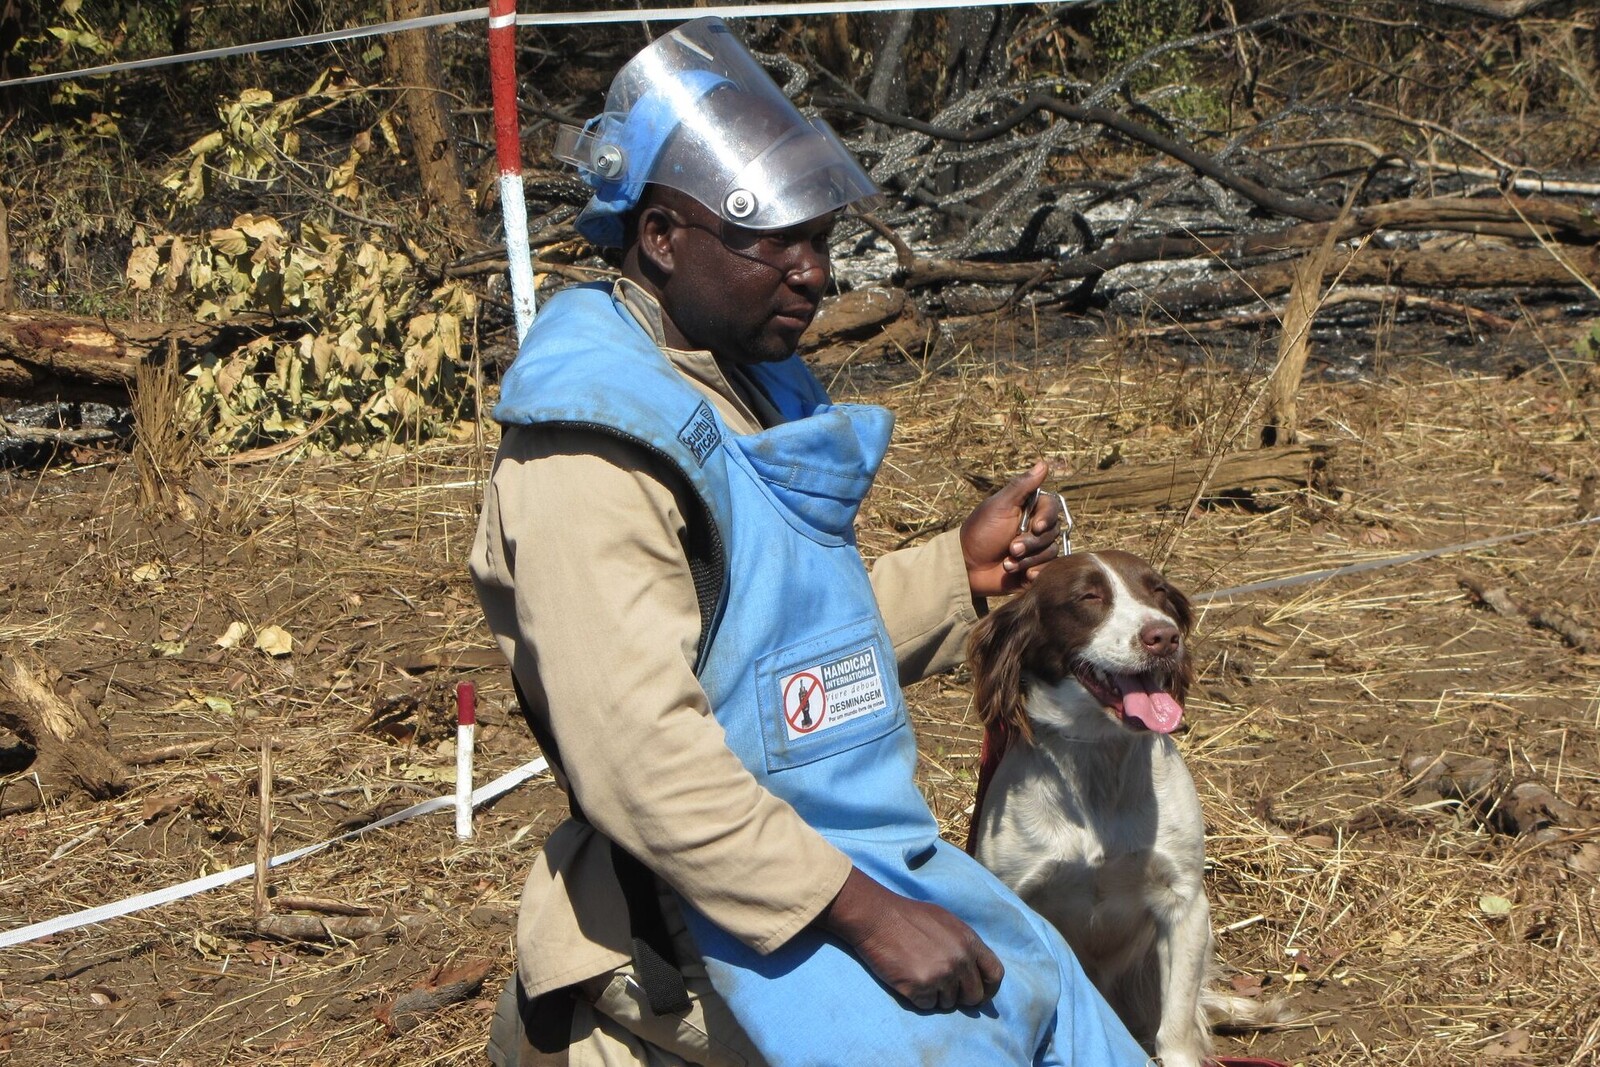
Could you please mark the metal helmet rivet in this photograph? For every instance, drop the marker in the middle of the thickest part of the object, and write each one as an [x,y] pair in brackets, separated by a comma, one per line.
[741,204]
[608,161]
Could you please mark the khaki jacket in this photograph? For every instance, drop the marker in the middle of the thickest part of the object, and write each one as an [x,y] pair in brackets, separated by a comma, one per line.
[580,567]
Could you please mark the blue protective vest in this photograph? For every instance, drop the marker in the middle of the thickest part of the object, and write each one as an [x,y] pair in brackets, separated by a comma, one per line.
[801,675]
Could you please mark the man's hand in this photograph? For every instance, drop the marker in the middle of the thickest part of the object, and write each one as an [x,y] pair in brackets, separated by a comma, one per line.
[921,951]
[1001,557]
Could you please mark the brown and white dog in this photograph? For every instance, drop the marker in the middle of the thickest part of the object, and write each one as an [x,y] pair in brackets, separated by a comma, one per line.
[1085,807]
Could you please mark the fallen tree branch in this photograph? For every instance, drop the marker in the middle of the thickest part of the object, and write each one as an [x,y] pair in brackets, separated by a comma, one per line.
[1259,195]
[1453,269]
[443,988]
[1494,796]
[1233,476]
[67,735]
[1530,218]
[45,355]
[1554,619]
[1372,294]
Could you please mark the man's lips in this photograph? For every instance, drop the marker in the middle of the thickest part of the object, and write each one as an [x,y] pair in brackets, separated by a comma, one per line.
[795,318]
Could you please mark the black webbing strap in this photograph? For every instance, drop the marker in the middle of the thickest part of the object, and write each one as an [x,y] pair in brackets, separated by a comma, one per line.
[655,962]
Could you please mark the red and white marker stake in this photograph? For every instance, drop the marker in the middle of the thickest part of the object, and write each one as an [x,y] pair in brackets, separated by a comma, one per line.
[508,153]
[466,726]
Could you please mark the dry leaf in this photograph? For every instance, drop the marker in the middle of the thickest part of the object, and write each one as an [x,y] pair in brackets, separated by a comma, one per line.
[1586,860]
[155,807]
[1510,1043]
[274,641]
[1246,985]
[148,572]
[233,636]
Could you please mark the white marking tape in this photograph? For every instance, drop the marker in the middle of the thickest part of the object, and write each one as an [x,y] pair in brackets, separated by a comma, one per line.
[1385,561]
[552,18]
[528,770]
[127,906]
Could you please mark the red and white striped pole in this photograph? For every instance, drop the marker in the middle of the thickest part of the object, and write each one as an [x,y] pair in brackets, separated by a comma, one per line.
[466,727]
[508,152]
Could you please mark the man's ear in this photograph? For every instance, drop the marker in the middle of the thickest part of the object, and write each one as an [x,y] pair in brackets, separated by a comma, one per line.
[655,239]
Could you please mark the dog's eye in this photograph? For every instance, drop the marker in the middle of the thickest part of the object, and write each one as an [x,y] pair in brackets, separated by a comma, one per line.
[1091,597]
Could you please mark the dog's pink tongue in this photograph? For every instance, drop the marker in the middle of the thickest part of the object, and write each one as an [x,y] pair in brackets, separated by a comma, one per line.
[1156,708]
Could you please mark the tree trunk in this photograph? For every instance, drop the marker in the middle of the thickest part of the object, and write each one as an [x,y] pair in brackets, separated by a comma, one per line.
[8,289]
[414,63]
[1496,9]
[1237,476]
[1282,425]
[1502,268]
[44,356]
[61,728]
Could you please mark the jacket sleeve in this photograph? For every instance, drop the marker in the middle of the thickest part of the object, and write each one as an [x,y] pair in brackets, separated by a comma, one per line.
[927,605]
[581,569]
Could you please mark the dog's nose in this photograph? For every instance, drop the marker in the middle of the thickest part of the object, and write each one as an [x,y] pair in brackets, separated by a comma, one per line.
[1160,638]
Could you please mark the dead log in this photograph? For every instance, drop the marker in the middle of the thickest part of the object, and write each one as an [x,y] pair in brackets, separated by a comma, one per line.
[1495,9]
[1377,294]
[1520,218]
[8,287]
[1529,218]
[1234,476]
[1497,268]
[68,738]
[44,356]
[1554,619]
[1500,800]
[1282,423]
[855,315]
[323,928]
[443,988]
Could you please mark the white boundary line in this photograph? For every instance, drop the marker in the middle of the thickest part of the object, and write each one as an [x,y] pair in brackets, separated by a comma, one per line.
[128,905]
[514,778]
[551,18]
[1384,561]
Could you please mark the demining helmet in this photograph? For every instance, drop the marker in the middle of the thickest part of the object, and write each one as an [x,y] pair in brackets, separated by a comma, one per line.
[696,112]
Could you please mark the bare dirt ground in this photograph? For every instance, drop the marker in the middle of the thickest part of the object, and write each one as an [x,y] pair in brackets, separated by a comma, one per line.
[1403,922]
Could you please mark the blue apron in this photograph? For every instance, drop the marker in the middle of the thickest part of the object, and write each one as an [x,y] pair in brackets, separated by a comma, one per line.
[802,677]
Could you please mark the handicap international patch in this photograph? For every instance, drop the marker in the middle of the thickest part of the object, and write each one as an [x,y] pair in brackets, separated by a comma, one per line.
[701,434]
[823,696]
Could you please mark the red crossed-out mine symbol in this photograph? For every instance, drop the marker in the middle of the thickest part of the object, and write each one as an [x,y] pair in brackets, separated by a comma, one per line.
[804,702]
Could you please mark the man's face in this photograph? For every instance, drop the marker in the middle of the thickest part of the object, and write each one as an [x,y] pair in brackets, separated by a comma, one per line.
[746,295]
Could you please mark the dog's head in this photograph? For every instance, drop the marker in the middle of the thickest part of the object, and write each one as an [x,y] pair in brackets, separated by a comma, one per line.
[1107,619]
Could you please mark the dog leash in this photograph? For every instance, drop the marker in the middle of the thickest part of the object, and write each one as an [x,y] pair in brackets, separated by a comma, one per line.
[1066,518]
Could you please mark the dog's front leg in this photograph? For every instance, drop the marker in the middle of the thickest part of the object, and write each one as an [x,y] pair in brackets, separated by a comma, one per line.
[1183,952]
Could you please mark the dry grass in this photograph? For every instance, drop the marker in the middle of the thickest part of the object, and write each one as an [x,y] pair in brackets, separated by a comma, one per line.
[1360,899]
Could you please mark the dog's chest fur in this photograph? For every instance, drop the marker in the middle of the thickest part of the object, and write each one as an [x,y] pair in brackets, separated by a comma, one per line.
[1113,830]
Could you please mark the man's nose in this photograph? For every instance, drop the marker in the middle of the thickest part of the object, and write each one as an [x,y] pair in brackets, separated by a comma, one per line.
[810,268]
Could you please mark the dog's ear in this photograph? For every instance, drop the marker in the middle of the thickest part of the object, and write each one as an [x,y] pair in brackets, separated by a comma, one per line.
[995,653]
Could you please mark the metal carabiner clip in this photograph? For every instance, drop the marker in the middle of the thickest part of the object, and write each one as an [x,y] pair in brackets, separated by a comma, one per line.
[1066,519]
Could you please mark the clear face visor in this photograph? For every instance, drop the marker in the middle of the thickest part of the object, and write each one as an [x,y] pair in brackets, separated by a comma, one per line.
[696,112]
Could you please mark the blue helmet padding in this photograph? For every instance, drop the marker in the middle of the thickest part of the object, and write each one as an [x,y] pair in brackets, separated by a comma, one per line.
[640,134]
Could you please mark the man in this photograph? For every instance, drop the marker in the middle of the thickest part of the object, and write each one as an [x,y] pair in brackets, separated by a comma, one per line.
[666,557]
